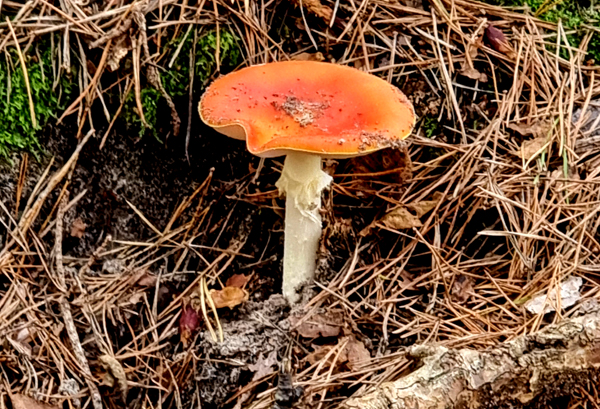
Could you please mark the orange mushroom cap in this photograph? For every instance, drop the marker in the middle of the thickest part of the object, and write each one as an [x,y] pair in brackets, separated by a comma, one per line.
[307,106]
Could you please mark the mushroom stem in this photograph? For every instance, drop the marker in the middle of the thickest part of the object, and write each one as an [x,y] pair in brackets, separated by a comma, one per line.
[302,181]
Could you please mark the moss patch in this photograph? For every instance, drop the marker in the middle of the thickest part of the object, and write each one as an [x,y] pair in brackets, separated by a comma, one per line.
[17,131]
[176,80]
[574,15]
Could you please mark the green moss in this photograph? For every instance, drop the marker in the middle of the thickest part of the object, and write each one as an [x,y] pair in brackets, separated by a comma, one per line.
[16,128]
[430,126]
[150,98]
[573,14]
[17,131]
[176,80]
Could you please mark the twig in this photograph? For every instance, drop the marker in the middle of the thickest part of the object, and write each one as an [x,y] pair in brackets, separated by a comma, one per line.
[67,315]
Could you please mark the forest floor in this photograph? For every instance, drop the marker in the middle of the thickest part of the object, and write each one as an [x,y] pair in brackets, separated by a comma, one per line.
[141,253]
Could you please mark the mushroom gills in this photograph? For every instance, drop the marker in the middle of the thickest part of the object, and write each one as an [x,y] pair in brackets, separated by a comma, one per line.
[302,181]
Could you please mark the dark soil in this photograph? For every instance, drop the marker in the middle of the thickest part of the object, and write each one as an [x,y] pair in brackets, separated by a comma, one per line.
[155,177]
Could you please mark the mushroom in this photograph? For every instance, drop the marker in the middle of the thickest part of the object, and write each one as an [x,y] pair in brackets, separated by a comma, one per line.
[306,110]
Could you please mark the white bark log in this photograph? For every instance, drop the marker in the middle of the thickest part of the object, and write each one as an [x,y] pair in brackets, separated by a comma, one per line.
[530,370]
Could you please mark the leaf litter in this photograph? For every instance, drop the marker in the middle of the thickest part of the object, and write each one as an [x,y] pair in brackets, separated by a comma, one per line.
[502,234]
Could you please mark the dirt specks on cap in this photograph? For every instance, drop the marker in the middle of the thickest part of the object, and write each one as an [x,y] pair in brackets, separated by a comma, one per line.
[303,112]
[373,139]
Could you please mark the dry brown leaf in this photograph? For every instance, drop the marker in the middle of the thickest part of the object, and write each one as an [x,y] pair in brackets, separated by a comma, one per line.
[91,67]
[319,353]
[135,298]
[147,280]
[264,366]
[498,41]
[319,325]
[317,8]
[337,358]
[425,206]
[237,280]
[78,228]
[21,347]
[472,73]
[25,402]
[114,367]
[25,335]
[356,353]
[404,40]
[531,148]
[318,56]
[473,48]
[405,280]
[572,174]
[228,297]
[400,218]
[537,129]
[462,289]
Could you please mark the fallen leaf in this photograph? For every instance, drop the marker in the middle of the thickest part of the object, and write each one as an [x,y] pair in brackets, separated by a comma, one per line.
[425,206]
[228,297]
[319,325]
[405,280]
[25,335]
[356,353]
[20,347]
[319,353]
[531,148]
[404,40]
[317,8]
[21,341]
[400,218]
[189,322]
[135,298]
[237,280]
[318,56]
[147,280]
[25,402]
[472,73]
[473,47]
[263,366]
[498,41]
[537,128]
[91,67]
[572,174]
[462,289]
[114,367]
[569,295]
[78,228]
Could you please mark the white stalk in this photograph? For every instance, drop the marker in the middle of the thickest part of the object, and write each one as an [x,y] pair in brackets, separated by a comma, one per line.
[302,181]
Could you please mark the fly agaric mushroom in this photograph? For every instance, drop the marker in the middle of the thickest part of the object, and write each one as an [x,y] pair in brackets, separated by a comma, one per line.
[307,111]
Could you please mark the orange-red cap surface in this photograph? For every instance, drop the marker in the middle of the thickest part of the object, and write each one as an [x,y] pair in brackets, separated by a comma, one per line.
[307,106]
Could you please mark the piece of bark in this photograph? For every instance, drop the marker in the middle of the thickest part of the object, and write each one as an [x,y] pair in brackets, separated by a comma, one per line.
[526,372]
